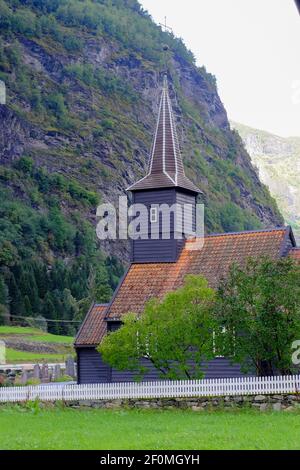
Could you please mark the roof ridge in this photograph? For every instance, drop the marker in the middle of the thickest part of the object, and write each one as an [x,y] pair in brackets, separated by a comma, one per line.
[246,232]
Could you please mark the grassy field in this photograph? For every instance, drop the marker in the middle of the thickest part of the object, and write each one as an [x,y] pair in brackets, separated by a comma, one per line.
[26,344]
[147,429]
[34,334]
[13,356]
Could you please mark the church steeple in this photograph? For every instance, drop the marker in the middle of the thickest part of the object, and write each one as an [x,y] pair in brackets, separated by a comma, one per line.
[166,167]
[164,186]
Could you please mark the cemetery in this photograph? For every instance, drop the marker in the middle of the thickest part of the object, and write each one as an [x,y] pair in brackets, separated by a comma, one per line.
[35,374]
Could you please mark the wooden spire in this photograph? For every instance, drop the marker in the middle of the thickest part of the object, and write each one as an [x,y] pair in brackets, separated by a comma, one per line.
[166,167]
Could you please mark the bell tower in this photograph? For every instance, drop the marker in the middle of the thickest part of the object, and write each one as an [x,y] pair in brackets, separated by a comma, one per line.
[165,184]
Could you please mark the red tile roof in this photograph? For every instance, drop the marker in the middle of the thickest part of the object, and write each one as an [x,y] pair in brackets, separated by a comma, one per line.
[94,326]
[212,260]
[147,280]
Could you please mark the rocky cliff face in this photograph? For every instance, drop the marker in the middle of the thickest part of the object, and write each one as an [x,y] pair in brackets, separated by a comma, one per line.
[83,81]
[82,100]
[277,160]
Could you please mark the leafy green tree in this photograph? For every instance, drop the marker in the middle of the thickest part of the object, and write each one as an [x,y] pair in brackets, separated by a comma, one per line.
[8,253]
[171,334]
[24,164]
[259,306]
[24,22]
[61,233]
[72,43]
[14,54]
[56,103]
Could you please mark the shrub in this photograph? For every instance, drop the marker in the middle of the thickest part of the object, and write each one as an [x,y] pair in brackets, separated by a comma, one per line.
[33,381]
[64,378]
[55,103]
[108,124]
[24,164]
[72,43]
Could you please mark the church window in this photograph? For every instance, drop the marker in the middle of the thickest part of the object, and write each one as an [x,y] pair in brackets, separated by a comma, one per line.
[153,215]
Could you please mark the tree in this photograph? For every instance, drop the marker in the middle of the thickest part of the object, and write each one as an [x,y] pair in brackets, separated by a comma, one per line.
[50,312]
[175,334]
[3,301]
[8,253]
[56,104]
[70,310]
[24,164]
[27,307]
[259,306]
[16,301]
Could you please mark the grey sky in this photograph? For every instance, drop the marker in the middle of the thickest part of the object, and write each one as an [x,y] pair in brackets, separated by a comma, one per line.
[253,49]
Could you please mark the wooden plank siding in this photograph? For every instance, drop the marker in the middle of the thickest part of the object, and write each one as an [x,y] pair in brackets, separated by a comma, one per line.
[219,367]
[92,369]
[161,250]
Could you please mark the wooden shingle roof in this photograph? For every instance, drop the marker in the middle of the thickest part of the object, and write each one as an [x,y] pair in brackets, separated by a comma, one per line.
[93,328]
[166,167]
[212,260]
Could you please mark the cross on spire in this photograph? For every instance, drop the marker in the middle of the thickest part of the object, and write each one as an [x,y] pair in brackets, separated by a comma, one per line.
[165,27]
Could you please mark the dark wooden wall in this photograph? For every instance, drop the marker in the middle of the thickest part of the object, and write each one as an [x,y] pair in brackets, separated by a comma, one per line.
[161,250]
[91,369]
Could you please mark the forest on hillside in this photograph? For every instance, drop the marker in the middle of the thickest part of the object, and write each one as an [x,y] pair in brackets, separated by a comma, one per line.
[82,80]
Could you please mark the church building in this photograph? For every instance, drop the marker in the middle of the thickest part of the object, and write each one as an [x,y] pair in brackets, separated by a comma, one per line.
[159,265]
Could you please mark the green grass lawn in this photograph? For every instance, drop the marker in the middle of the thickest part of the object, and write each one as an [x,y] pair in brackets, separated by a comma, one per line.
[20,336]
[14,356]
[34,334]
[147,429]
[17,330]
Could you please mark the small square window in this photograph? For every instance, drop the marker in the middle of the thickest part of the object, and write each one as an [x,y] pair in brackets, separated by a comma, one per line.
[153,215]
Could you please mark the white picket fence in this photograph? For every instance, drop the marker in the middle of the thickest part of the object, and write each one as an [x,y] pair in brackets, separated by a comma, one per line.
[161,389]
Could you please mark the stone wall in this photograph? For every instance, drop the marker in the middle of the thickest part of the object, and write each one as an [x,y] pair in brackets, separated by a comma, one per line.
[259,402]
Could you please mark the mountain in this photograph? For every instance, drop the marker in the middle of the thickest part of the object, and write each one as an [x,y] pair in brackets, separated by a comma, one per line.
[278,162]
[83,80]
